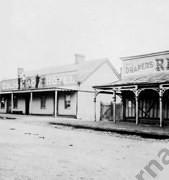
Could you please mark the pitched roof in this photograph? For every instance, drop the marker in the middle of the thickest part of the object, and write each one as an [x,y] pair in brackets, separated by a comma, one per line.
[81,71]
[71,74]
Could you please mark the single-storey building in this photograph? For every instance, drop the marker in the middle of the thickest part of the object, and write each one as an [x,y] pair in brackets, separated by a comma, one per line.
[60,91]
[143,89]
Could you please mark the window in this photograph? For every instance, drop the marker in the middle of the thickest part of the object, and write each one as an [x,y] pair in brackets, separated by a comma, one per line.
[43,102]
[2,103]
[15,102]
[67,101]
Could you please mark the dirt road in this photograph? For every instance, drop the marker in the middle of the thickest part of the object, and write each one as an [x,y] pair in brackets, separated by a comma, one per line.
[31,151]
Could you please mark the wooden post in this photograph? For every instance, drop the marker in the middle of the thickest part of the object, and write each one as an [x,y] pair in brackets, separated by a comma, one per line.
[114,107]
[122,108]
[95,108]
[11,102]
[161,112]
[161,106]
[137,120]
[136,92]
[30,103]
[111,111]
[55,104]
[101,110]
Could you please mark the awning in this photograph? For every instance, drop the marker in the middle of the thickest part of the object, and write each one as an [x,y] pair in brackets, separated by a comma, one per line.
[158,78]
[37,90]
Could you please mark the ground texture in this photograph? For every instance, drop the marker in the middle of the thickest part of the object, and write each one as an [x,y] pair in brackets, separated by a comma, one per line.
[32,149]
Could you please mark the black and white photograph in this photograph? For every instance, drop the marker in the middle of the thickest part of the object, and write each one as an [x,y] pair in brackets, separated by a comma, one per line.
[84,90]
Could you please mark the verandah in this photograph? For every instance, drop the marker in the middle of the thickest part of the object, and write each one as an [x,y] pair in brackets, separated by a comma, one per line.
[141,103]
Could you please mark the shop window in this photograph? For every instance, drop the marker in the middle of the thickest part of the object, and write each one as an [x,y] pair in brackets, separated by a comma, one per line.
[15,102]
[67,101]
[43,102]
[2,103]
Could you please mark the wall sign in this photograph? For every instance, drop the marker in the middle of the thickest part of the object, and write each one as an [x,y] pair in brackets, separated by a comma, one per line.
[145,65]
[38,81]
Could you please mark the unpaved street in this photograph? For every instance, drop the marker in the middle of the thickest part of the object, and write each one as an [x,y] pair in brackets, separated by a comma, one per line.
[30,151]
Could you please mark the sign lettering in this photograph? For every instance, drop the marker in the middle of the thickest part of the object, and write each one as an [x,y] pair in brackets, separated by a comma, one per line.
[144,66]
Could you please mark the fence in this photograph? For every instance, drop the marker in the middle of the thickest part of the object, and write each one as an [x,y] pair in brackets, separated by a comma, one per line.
[106,111]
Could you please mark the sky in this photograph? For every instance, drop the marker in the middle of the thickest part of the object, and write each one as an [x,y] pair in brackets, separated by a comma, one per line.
[42,33]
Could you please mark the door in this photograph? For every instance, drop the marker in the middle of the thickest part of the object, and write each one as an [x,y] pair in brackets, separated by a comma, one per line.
[27,99]
[8,104]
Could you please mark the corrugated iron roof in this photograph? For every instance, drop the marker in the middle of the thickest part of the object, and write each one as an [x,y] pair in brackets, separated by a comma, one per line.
[157,78]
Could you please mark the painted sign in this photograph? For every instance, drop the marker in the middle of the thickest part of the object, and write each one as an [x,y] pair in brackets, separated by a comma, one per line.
[38,81]
[146,65]
[9,84]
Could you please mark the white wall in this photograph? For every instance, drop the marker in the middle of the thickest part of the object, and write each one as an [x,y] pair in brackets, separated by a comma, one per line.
[36,104]
[85,106]
[21,105]
[86,110]
[61,106]
[102,75]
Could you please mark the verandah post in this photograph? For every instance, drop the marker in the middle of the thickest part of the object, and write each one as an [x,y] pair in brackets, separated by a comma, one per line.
[122,116]
[114,106]
[55,104]
[30,105]
[11,102]
[96,93]
[137,120]
[136,103]
[95,106]
[161,106]
[161,109]
[101,110]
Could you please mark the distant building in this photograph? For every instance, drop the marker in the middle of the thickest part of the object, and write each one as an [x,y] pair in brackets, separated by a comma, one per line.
[144,89]
[60,91]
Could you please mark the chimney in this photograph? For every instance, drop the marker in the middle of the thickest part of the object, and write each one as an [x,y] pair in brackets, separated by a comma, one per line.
[20,72]
[79,58]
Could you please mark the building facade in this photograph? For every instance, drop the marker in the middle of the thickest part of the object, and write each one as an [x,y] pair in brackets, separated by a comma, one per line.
[143,89]
[59,91]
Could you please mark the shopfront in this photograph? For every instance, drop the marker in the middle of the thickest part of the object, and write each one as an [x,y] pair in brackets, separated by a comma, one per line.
[143,89]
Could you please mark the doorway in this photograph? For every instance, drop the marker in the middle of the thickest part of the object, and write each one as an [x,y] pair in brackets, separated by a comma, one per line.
[8,104]
[27,100]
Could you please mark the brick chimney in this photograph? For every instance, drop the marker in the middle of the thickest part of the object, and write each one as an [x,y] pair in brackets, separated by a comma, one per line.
[79,58]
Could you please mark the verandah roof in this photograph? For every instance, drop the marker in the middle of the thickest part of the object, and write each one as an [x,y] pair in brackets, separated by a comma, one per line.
[38,90]
[158,78]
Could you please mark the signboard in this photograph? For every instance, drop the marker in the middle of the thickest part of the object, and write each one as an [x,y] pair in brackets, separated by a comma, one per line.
[9,84]
[145,65]
[51,80]
[55,80]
